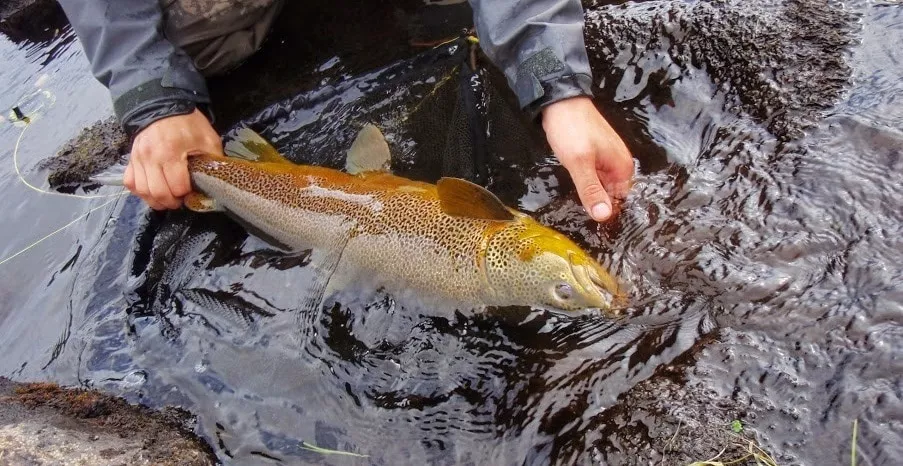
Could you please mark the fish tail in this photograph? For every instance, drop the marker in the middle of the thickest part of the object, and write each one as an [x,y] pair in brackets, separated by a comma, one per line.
[112,176]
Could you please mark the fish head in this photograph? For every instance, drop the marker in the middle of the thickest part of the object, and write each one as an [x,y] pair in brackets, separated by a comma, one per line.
[542,267]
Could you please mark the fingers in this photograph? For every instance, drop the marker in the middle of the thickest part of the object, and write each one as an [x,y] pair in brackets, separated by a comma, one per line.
[597,159]
[148,180]
[177,179]
[158,169]
[128,180]
[592,195]
[616,170]
[141,186]
[160,195]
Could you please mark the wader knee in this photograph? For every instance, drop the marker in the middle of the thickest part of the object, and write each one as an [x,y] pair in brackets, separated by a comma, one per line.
[218,34]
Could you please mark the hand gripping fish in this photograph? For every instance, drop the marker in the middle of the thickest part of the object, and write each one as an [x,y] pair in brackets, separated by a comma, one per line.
[454,240]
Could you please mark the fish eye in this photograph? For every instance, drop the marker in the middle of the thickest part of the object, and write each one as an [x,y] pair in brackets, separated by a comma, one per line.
[564,291]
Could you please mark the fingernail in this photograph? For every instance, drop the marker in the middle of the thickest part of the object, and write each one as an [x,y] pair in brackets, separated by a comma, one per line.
[601,211]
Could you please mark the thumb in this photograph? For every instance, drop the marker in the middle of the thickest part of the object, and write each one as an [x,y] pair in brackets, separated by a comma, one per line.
[593,196]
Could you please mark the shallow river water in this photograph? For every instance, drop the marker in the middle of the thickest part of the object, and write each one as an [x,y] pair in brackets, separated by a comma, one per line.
[762,244]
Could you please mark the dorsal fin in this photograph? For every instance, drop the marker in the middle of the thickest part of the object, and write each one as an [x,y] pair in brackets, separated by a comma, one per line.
[249,145]
[461,198]
[369,152]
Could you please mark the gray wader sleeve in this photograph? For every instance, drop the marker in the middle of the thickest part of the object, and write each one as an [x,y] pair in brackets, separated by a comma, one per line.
[153,54]
[539,46]
[148,77]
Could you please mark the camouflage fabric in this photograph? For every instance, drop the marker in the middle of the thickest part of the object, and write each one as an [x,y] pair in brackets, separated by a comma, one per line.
[218,34]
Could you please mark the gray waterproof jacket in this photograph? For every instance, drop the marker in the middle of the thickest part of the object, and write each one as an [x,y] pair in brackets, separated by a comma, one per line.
[537,43]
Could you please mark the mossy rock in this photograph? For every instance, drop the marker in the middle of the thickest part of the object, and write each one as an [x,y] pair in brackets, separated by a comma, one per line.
[43,423]
[96,148]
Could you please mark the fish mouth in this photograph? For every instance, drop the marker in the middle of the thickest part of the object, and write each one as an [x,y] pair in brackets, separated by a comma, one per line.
[597,284]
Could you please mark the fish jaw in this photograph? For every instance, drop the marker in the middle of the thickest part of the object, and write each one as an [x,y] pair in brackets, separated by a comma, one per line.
[527,263]
[597,288]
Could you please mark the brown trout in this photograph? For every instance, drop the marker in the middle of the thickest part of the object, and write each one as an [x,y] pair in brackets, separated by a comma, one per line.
[452,240]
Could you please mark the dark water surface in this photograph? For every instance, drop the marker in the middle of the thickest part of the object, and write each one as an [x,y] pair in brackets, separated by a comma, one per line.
[762,244]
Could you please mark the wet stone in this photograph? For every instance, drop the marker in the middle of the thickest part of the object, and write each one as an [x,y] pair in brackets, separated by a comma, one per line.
[97,147]
[782,62]
[31,20]
[42,423]
[665,420]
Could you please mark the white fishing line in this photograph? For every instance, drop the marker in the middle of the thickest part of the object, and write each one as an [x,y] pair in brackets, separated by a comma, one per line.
[32,245]
[27,122]
[44,191]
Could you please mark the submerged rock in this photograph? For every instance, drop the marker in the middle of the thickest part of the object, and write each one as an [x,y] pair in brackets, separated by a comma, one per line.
[94,149]
[32,20]
[667,420]
[42,423]
[782,62]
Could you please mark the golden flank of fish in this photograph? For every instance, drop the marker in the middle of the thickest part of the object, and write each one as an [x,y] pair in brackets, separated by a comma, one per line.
[453,240]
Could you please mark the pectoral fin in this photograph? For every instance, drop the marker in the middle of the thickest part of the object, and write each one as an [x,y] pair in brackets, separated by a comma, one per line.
[369,152]
[325,264]
[199,202]
[461,198]
[249,145]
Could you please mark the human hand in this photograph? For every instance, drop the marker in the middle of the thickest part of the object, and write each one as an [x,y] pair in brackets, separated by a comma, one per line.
[158,167]
[591,151]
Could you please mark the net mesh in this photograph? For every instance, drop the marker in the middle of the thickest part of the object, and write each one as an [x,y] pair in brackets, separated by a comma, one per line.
[442,116]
